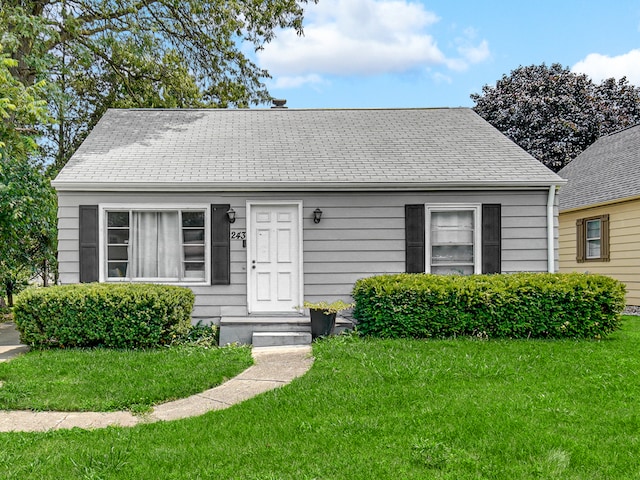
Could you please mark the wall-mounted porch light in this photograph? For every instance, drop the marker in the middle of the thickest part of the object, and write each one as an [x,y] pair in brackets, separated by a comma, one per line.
[317,215]
[231,215]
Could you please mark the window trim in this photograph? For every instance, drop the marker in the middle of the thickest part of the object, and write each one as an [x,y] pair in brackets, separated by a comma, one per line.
[581,239]
[476,208]
[148,207]
[588,239]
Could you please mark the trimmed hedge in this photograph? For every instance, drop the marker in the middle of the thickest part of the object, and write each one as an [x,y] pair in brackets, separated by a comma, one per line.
[521,305]
[103,315]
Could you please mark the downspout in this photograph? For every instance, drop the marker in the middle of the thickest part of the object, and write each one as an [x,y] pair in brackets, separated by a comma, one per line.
[550,240]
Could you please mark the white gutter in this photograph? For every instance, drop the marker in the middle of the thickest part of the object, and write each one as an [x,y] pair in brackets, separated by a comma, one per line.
[118,186]
[550,240]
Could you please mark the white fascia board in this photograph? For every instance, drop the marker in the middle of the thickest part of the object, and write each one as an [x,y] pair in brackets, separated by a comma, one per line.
[62,186]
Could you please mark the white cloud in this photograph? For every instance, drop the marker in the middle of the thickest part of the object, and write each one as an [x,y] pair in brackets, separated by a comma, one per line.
[475,54]
[456,64]
[298,81]
[599,67]
[441,78]
[364,37]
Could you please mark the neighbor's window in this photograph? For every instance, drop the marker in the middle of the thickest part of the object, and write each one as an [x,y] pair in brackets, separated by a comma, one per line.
[453,240]
[594,229]
[593,239]
[168,245]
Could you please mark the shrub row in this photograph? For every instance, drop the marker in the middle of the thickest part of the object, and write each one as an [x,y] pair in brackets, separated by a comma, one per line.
[103,315]
[522,305]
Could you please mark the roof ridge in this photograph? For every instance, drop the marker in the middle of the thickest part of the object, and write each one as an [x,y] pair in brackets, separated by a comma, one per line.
[324,109]
[621,130]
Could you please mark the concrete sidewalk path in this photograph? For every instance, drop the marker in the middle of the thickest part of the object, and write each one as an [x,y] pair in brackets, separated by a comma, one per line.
[273,367]
[10,345]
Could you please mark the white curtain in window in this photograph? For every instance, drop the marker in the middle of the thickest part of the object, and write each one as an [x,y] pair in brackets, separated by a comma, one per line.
[156,245]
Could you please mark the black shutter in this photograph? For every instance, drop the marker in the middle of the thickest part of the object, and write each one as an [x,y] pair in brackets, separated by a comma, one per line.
[414,224]
[491,238]
[581,235]
[604,238]
[88,249]
[220,246]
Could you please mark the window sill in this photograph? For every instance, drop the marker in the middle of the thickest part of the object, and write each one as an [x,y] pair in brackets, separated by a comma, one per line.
[179,283]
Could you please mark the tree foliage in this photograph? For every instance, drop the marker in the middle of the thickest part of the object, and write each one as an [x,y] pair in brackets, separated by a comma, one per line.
[27,225]
[553,113]
[98,54]
[22,109]
[27,201]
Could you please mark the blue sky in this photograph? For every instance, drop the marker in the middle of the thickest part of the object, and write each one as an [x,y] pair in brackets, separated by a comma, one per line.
[421,53]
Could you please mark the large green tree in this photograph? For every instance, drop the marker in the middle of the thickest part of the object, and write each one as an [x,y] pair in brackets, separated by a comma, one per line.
[27,201]
[553,113]
[98,54]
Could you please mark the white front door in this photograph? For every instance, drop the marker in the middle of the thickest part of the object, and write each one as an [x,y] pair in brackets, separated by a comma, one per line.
[274,257]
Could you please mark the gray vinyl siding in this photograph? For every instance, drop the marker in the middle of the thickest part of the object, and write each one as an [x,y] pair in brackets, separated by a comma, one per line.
[361,234]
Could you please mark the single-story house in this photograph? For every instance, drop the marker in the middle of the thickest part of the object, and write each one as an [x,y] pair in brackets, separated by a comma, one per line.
[600,211]
[257,210]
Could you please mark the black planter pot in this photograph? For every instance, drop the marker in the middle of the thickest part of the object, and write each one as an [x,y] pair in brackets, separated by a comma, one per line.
[321,323]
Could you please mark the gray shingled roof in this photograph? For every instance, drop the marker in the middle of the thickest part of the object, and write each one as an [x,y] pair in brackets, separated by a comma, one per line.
[289,148]
[608,170]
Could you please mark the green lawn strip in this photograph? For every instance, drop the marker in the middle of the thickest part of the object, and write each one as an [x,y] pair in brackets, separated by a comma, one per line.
[460,409]
[110,380]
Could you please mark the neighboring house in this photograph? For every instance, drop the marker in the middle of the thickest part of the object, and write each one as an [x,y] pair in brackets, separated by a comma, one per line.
[258,210]
[600,211]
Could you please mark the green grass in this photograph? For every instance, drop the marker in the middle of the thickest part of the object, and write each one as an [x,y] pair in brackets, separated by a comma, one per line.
[108,380]
[389,409]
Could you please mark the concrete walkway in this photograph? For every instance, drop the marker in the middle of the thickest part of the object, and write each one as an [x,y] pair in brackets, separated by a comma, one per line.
[10,345]
[274,367]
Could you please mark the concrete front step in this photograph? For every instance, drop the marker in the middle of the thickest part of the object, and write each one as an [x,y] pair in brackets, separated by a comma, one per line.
[280,339]
[242,329]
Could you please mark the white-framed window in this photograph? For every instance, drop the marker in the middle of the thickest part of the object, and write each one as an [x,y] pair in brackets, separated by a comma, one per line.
[453,237]
[593,232]
[155,244]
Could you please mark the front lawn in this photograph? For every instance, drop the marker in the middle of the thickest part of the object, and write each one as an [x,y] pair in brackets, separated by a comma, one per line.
[389,409]
[108,380]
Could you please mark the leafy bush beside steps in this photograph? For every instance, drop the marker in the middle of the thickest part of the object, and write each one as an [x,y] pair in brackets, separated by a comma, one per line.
[103,315]
[522,305]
